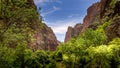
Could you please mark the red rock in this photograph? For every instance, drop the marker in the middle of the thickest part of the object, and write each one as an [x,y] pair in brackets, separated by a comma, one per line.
[97,14]
[68,34]
[72,32]
[93,13]
[45,39]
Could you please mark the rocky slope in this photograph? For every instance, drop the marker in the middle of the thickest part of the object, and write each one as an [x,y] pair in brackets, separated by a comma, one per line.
[73,31]
[91,20]
[99,13]
[113,30]
[21,19]
[44,37]
[111,11]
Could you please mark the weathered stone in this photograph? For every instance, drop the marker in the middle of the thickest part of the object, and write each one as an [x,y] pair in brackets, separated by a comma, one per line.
[106,7]
[44,38]
[92,17]
[95,15]
[72,32]
[113,30]
[91,20]
[69,34]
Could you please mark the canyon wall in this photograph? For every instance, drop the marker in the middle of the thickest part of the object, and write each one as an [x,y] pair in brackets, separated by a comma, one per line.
[73,32]
[21,24]
[45,39]
[91,20]
[98,14]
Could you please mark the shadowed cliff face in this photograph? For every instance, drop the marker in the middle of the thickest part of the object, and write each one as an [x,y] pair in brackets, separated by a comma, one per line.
[31,2]
[73,32]
[112,8]
[104,7]
[113,30]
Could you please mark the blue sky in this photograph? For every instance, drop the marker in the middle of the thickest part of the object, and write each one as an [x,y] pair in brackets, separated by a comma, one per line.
[59,14]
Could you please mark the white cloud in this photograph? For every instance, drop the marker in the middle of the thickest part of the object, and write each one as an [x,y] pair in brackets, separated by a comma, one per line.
[45,1]
[54,9]
[60,27]
[60,37]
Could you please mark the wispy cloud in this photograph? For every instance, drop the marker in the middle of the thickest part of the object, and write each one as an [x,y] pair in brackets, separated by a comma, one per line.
[50,11]
[46,1]
[61,26]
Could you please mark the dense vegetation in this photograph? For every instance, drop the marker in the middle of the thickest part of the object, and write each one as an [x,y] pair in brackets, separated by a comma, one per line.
[90,50]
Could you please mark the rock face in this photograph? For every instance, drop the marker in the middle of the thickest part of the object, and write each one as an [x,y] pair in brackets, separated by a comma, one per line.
[111,7]
[44,37]
[113,30]
[92,18]
[68,34]
[72,32]
[105,9]
[28,28]
[104,6]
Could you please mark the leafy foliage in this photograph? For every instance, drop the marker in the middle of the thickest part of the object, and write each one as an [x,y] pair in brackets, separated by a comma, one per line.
[18,21]
[89,50]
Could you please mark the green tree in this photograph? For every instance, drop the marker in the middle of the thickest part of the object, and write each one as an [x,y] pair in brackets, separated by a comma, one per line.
[7,57]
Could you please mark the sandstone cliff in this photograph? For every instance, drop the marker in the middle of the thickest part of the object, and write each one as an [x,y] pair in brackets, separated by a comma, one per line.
[91,20]
[72,32]
[99,13]
[45,39]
